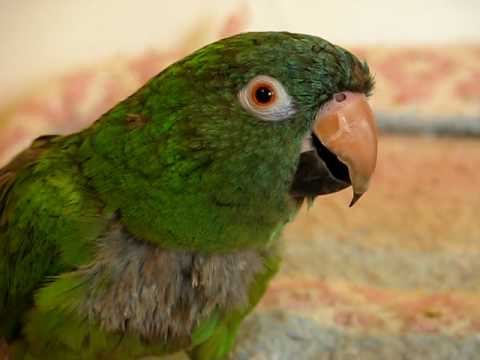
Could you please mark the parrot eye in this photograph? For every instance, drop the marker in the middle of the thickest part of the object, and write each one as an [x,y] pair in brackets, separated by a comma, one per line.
[266,98]
[264,94]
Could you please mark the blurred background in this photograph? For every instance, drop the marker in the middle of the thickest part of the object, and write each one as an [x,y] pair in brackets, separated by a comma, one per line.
[395,277]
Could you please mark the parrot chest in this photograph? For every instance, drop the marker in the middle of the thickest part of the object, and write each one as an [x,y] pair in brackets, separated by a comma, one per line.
[156,293]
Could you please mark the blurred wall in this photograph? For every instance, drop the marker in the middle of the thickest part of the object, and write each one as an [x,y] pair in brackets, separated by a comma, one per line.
[40,38]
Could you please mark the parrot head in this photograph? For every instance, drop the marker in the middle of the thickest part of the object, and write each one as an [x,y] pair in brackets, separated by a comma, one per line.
[244,129]
[284,109]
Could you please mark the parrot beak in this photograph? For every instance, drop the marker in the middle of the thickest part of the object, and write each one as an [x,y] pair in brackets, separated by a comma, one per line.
[341,149]
[346,127]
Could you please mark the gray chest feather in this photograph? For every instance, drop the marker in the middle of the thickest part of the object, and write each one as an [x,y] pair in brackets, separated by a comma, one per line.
[158,294]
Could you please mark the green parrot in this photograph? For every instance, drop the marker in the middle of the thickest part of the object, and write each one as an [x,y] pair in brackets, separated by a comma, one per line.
[154,230]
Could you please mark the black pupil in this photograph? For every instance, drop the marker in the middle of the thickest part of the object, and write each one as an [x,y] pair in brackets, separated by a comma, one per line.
[263,95]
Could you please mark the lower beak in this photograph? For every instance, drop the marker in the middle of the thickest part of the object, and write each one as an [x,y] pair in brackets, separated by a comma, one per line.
[346,127]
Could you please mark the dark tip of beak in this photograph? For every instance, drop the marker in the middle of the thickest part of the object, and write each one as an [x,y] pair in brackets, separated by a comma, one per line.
[356,197]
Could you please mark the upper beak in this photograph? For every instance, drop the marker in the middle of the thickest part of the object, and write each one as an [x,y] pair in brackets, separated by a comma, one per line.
[346,126]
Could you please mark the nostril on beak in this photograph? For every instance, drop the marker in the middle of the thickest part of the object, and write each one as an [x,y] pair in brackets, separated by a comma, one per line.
[340,97]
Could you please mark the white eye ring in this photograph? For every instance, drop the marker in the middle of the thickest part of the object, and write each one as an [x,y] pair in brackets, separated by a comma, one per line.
[266,98]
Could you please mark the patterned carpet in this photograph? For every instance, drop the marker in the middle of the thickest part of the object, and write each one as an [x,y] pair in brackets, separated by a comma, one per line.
[395,277]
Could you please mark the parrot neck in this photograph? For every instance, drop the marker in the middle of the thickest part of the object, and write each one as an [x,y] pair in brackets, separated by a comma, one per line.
[188,204]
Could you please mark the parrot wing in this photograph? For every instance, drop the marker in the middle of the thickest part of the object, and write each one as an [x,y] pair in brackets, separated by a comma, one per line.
[8,255]
[16,262]
[44,224]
